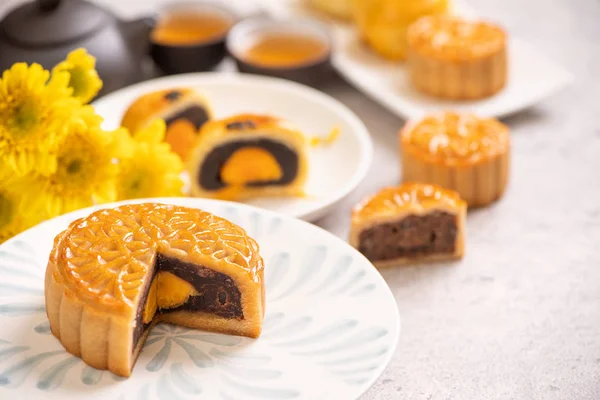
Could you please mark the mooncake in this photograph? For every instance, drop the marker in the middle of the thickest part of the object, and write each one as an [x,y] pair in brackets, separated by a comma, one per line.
[184,111]
[114,274]
[246,156]
[454,58]
[461,152]
[383,24]
[410,222]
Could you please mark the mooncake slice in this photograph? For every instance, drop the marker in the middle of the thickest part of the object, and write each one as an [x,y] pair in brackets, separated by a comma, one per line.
[112,275]
[184,111]
[246,156]
[409,223]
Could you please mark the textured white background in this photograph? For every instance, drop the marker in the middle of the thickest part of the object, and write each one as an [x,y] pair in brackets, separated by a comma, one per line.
[519,317]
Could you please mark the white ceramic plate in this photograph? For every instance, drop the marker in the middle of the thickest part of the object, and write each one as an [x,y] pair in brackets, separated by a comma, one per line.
[331,325]
[532,76]
[335,170]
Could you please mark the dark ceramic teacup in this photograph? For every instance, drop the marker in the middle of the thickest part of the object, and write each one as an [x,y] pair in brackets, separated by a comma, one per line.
[203,55]
[245,33]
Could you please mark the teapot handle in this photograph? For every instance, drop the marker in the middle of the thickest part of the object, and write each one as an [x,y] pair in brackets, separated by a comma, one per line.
[48,5]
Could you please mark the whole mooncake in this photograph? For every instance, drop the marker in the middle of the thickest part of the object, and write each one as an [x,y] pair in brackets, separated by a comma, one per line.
[184,111]
[411,222]
[455,58]
[114,274]
[461,152]
[246,156]
[383,24]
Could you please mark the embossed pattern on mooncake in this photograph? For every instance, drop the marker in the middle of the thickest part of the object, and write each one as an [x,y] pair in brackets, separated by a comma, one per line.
[455,38]
[456,137]
[393,200]
[107,255]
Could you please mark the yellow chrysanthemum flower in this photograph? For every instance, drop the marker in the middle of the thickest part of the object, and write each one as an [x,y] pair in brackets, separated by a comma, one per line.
[33,111]
[11,221]
[153,170]
[84,78]
[86,168]
[19,208]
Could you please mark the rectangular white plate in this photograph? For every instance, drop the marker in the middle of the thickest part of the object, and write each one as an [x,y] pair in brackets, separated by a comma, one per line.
[532,76]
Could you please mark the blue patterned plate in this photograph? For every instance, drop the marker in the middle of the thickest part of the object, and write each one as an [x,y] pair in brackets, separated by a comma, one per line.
[330,328]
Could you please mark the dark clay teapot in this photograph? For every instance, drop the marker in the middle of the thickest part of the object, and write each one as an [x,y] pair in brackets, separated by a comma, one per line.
[45,31]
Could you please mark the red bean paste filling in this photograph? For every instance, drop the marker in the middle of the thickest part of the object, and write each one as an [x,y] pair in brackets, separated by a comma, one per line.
[196,115]
[218,293]
[209,177]
[413,236]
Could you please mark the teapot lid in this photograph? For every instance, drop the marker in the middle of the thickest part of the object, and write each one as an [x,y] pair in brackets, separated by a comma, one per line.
[52,22]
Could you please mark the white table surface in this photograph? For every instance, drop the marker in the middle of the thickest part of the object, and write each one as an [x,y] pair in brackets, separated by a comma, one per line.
[519,317]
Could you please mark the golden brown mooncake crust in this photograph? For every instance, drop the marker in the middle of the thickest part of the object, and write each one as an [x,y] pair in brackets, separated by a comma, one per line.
[164,104]
[154,105]
[100,264]
[383,24]
[450,57]
[461,152]
[239,129]
[393,204]
[248,124]
[413,198]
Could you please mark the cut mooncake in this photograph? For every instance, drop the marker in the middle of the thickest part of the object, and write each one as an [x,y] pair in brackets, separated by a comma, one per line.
[461,152]
[114,274]
[411,222]
[248,156]
[184,111]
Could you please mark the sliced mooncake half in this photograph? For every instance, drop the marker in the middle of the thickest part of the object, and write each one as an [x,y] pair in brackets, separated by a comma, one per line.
[184,111]
[408,223]
[114,274]
[247,156]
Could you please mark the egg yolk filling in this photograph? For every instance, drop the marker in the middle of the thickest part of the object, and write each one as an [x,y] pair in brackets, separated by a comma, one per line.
[258,162]
[181,135]
[182,286]
[167,291]
[250,164]
[183,127]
